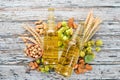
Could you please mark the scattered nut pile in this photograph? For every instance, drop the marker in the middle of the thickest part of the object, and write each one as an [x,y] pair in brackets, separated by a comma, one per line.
[40,27]
[33,65]
[82,67]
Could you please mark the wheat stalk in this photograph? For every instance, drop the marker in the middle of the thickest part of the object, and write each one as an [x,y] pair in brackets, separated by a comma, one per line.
[34,33]
[28,39]
[97,22]
[90,28]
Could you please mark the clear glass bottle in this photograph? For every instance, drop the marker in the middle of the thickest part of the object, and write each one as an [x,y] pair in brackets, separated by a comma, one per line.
[50,55]
[69,56]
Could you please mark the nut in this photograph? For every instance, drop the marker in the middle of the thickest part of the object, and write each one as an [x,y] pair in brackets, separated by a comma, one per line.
[38,22]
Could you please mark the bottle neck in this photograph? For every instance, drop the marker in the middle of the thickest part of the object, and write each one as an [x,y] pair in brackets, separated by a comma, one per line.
[51,20]
[75,35]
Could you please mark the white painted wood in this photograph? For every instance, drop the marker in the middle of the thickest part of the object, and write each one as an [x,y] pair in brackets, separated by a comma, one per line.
[17,72]
[16,14]
[13,13]
[58,3]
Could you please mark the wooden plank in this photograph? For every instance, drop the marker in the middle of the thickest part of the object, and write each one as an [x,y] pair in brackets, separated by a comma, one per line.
[17,46]
[12,47]
[13,29]
[59,3]
[17,72]
[18,57]
[60,13]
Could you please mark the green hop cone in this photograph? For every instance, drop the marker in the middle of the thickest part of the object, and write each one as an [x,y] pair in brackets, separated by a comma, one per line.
[99,43]
[46,68]
[89,44]
[65,38]
[82,54]
[92,42]
[60,43]
[38,61]
[60,35]
[89,50]
[69,31]
[98,49]
[42,70]
[62,29]
[64,24]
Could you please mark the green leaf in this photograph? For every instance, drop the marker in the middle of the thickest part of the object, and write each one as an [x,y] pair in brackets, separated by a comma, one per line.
[89,58]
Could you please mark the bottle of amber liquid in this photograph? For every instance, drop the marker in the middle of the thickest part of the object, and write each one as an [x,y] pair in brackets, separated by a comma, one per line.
[69,56]
[50,55]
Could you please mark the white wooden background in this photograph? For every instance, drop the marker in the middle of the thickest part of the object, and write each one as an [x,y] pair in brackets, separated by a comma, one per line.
[13,13]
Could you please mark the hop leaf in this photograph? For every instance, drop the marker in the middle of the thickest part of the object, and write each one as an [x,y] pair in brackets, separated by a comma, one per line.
[89,58]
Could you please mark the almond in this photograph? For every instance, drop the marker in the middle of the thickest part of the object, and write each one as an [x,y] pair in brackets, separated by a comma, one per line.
[77,72]
[76,66]
[88,67]
[35,64]
[59,25]
[70,22]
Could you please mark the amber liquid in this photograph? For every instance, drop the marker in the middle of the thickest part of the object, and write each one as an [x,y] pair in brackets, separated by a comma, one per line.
[50,55]
[50,48]
[67,60]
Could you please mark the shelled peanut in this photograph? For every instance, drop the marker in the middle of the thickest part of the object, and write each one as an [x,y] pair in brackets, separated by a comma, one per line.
[40,27]
[34,51]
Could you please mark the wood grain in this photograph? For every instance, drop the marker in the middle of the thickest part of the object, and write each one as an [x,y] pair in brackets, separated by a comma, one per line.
[15,13]
[17,72]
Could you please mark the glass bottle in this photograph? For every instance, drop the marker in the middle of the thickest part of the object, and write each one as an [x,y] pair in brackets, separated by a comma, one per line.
[50,55]
[69,56]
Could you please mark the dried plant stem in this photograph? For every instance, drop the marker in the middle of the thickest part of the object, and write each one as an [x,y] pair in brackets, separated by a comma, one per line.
[89,23]
[93,33]
[29,39]
[87,26]
[88,19]
[35,35]
[97,22]
[90,28]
